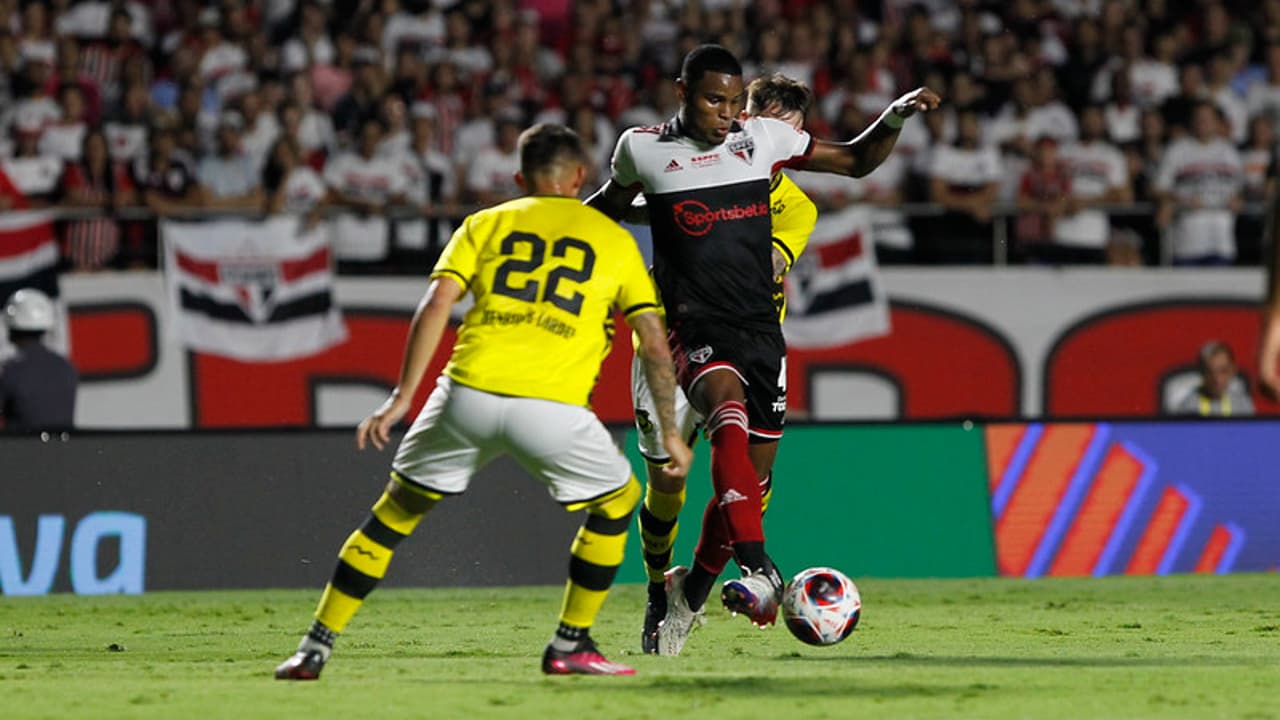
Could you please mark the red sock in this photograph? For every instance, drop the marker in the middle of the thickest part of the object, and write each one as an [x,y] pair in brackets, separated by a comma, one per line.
[714,548]
[737,489]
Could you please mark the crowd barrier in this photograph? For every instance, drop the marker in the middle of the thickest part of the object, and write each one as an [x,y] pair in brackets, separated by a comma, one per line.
[1003,216]
[131,512]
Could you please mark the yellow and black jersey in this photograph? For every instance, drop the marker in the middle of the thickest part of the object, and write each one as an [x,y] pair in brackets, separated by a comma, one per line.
[546,273]
[794,216]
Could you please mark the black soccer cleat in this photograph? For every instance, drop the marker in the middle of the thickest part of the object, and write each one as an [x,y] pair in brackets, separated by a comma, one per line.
[583,660]
[302,665]
[655,609]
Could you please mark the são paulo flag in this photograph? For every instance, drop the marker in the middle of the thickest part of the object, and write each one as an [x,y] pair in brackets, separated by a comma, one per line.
[250,290]
[834,294]
[28,253]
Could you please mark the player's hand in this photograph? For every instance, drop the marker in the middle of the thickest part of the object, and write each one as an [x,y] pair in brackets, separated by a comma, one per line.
[779,265]
[1269,354]
[681,457]
[376,428]
[921,99]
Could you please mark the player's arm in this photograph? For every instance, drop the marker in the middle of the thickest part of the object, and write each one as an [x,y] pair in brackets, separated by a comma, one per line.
[614,200]
[656,356]
[429,321]
[1269,343]
[861,155]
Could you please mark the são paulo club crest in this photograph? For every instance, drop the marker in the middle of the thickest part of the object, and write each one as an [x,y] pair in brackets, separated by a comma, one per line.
[744,149]
[701,355]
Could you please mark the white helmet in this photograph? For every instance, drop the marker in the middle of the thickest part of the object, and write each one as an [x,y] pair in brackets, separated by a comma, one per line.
[30,310]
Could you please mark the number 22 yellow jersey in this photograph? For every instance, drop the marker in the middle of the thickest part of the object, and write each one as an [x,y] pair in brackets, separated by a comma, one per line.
[546,273]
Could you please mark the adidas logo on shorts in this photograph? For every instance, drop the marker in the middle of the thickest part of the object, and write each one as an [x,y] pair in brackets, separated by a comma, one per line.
[731,496]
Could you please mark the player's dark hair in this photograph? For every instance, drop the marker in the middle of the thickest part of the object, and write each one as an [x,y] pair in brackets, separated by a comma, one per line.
[548,144]
[708,58]
[778,90]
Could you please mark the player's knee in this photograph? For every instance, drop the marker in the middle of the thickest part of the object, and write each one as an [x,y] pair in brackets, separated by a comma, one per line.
[620,504]
[414,499]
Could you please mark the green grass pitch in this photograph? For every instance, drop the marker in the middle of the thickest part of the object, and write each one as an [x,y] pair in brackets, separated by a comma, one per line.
[1175,647]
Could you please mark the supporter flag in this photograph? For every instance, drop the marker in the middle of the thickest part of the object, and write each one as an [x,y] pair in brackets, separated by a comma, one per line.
[252,291]
[834,294]
[28,253]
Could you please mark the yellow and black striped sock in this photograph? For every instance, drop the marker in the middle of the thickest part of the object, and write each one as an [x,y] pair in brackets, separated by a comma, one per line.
[364,558]
[595,556]
[659,524]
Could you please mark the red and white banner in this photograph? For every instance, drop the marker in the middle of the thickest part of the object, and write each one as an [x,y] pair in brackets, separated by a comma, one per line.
[834,294]
[28,253]
[252,290]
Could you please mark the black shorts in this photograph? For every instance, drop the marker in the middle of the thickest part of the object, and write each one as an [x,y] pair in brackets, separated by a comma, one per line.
[757,357]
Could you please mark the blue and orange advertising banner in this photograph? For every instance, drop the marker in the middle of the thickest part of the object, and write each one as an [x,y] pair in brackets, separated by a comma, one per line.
[1137,498]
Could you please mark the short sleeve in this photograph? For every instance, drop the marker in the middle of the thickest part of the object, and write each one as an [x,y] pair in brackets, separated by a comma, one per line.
[788,146]
[623,164]
[458,260]
[635,288]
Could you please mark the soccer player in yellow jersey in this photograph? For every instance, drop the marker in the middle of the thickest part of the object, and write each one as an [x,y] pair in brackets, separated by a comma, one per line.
[546,273]
[793,217]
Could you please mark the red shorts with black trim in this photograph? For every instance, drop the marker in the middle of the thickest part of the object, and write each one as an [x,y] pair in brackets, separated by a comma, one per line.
[757,357]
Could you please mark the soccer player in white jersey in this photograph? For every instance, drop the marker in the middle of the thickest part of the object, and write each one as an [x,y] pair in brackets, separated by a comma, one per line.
[546,273]
[705,175]
[793,218]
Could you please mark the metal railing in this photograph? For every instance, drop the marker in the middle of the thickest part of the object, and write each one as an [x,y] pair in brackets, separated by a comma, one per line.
[1001,216]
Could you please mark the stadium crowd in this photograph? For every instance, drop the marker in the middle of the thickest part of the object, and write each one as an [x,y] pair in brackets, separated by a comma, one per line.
[387,118]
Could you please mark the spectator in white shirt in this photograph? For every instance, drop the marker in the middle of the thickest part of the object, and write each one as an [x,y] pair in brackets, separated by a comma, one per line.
[963,178]
[229,177]
[127,132]
[315,134]
[366,184]
[1099,175]
[491,175]
[1198,185]
[65,138]
[311,46]
[292,187]
[396,136]
[432,186]
[261,128]
[1124,116]
[221,57]
[34,174]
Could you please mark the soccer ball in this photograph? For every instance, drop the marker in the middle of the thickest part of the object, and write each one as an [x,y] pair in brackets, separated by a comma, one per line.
[821,606]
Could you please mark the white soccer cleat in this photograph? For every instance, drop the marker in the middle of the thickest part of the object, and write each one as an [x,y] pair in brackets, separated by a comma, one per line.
[756,595]
[680,620]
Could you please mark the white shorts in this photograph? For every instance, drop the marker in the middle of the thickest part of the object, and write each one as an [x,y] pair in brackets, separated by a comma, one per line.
[460,429]
[648,426]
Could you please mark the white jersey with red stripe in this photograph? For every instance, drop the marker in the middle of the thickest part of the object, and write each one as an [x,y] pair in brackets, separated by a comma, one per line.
[1203,178]
[710,216]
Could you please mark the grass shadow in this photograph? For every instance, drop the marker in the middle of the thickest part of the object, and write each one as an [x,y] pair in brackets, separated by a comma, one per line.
[1013,662]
